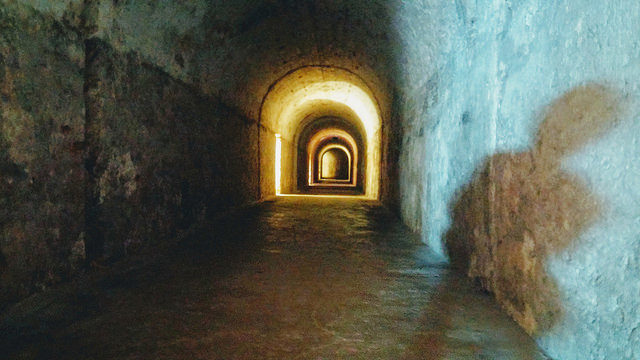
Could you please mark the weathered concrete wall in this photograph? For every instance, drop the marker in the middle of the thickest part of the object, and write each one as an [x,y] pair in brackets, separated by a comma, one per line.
[427,32]
[598,275]
[41,160]
[530,176]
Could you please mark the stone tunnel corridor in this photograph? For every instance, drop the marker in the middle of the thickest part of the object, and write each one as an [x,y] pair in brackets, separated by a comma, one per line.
[298,278]
[320,179]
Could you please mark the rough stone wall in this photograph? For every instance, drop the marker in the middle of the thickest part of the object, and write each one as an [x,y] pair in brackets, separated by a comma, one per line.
[530,164]
[103,154]
[161,154]
[41,159]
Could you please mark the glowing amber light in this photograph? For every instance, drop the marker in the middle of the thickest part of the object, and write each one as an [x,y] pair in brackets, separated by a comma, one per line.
[312,149]
[311,93]
[335,165]
[278,163]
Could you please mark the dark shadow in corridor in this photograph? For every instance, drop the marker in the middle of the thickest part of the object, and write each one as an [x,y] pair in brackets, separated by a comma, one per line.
[521,208]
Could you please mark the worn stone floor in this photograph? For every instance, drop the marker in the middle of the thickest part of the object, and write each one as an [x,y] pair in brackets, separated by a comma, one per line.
[297,278]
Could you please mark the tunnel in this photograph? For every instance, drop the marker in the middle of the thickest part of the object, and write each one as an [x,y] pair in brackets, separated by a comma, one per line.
[319,179]
[313,138]
[306,109]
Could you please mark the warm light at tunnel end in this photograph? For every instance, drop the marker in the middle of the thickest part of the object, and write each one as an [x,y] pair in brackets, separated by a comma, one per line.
[278,164]
[316,91]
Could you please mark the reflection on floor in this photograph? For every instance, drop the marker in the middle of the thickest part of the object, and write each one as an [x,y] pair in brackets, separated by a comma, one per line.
[297,278]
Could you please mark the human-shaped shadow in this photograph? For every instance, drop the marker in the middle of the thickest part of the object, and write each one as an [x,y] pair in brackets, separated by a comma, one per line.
[520,208]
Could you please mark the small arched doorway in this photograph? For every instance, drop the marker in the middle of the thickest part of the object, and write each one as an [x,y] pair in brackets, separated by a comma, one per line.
[335,164]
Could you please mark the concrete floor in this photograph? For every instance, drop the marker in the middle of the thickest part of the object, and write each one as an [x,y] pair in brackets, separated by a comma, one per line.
[298,278]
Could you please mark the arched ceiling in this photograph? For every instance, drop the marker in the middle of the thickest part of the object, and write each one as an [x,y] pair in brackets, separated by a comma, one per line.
[324,113]
[319,139]
[319,91]
[236,49]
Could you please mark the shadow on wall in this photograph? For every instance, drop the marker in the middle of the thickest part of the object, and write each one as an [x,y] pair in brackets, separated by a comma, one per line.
[521,208]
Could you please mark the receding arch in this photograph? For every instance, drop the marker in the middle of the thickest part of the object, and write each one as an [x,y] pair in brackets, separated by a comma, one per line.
[310,93]
[335,164]
[319,141]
